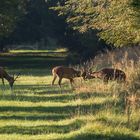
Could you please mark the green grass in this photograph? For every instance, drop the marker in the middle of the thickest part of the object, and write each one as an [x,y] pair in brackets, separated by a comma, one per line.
[35,110]
[59,50]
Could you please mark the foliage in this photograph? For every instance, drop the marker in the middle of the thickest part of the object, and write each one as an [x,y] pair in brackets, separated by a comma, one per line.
[10,11]
[117,21]
[42,26]
[95,23]
[39,24]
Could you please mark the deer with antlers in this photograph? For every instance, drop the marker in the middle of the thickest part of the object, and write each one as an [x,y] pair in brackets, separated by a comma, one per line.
[5,75]
[107,74]
[65,72]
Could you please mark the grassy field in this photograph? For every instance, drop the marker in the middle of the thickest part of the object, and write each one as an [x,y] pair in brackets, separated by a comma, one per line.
[35,110]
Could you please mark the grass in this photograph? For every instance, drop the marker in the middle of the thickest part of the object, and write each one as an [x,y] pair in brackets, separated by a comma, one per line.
[35,110]
[59,50]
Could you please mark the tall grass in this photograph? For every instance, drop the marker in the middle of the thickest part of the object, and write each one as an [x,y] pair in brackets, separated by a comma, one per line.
[35,110]
[126,95]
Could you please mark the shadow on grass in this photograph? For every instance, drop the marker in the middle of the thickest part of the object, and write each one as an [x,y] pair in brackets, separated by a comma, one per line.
[134,126]
[35,65]
[23,64]
[89,95]
[42,89]
[42,129]
[36,89]
[68,109]
[33,117]
[95,136]
[64,98]
[43,93]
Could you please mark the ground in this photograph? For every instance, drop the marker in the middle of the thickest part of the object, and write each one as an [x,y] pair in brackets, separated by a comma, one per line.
[36,110]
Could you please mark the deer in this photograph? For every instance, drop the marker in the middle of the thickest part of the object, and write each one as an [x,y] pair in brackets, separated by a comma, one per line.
[5,75]
[107,74]
[64,72]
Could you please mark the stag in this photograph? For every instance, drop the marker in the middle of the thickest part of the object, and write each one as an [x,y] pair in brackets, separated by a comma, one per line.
[64,72]
[5,75]
[107,74]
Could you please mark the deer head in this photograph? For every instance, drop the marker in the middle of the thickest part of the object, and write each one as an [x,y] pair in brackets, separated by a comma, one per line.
[90,75]
[86,73]
[13,79]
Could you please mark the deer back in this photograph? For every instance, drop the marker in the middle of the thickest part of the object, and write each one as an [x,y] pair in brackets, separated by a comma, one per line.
[113,73]
[65,72]
[108,73]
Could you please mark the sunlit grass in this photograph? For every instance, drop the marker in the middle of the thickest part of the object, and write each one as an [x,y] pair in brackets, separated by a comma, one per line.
[39,51]
[36,110]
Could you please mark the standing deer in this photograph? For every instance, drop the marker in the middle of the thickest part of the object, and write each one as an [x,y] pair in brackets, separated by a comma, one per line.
[107,74]
[64,72]
[5,75]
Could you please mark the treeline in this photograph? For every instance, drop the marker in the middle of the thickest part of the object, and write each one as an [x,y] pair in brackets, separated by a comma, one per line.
[117,21]
[83,26]
[33,23]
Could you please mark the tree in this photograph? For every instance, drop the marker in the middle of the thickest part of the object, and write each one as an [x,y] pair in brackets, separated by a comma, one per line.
[117,21]
[40,23]
[10,13]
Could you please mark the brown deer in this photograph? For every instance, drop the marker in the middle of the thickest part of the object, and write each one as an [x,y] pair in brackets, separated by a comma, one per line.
[64,72]
[107,74]
[5,75]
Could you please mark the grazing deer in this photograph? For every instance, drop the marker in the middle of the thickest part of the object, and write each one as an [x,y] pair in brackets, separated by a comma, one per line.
[5,75]
[64,72]
[107,74]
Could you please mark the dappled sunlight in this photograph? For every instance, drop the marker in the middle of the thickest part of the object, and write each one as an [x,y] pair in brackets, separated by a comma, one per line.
[33,116]
[41,129]
[34,109]
[69,70]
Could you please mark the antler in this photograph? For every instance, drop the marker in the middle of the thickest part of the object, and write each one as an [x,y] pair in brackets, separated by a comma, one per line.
[16,77]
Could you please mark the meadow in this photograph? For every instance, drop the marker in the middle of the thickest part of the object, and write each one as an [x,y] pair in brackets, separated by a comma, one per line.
[36,110]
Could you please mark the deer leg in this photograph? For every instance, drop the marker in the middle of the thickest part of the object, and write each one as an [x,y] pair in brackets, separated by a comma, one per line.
[59,82]
[3,88]
[54,78]
[71,82]
[105,80]
[120,79]
[3,81]
[123,79]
